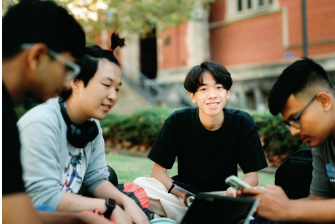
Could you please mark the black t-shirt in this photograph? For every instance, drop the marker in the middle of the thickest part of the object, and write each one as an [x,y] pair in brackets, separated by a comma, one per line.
[207,158]
[11,166]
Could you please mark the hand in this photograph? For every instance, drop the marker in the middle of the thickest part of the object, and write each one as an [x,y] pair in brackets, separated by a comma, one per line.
[273,204]
[119,216]
[184,198]
[231,192]
[136,214]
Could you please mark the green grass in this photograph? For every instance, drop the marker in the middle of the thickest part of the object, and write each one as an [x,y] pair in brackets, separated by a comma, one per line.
[128,168]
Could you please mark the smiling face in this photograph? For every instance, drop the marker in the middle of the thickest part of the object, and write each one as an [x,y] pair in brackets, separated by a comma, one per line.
[101,93]
[210,97]
[317,120]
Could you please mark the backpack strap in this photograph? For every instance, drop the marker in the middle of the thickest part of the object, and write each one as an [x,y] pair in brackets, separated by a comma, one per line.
[299,172]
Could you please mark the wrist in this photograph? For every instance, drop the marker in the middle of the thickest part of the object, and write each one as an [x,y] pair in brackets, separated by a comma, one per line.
[111,205]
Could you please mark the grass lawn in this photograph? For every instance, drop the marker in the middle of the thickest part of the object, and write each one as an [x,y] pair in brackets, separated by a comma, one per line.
[130,167]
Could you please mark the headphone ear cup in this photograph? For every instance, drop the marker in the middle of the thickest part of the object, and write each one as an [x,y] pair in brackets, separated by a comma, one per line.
[79,135]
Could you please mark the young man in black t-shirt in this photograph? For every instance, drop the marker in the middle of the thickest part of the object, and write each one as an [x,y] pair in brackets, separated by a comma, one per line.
[208,140]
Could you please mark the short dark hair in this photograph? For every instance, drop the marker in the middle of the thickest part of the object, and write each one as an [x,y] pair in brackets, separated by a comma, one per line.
[33,21]
[296,78]
[194,77]
[89,63]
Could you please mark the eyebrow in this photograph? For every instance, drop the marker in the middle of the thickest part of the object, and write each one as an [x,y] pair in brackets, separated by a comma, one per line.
[112,80]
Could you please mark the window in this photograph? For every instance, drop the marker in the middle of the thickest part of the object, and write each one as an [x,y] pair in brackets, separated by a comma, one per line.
[249,4]
[244,9]
[251,100]
[239,5]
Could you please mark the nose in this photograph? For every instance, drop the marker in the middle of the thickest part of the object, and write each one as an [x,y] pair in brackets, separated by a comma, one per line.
[295,131]
[212,93]
[113,95]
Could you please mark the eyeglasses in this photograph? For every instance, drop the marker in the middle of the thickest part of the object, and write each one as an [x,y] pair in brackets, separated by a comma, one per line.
[294,122]
[72,68]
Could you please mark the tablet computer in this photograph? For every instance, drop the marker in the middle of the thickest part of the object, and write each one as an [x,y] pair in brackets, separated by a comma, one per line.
[209,208]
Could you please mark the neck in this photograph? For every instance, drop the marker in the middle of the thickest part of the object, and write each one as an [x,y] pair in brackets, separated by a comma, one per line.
[212,123]
[75,111]
[14,79]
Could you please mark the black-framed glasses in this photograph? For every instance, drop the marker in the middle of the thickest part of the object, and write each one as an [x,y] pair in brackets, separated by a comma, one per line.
[72,68]
[295,121]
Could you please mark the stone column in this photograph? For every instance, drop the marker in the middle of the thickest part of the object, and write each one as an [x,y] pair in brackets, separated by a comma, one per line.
[259,99]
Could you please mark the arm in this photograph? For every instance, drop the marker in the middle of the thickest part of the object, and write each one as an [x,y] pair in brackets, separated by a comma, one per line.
[131,209]
[71,218]
[275,206]
[251,178]
[28,215]
[160,173]
[43,149]
[95,177]
[16,208]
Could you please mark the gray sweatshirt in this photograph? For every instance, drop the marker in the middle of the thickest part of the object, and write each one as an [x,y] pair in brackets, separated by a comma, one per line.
[51,165]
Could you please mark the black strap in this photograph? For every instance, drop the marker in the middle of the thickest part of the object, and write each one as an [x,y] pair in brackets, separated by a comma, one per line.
[169,191]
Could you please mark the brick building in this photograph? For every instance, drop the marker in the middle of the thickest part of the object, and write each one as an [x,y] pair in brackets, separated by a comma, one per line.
[254,39]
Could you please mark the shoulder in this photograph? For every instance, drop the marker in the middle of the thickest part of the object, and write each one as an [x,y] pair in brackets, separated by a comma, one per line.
[239,120]
[182,115]
[48,112]
[239,115]
[184,112]
[325,149]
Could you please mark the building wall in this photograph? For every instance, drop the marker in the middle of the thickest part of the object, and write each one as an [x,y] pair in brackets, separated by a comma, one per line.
[173,47]
[255,45]
[267,37]
[247,41]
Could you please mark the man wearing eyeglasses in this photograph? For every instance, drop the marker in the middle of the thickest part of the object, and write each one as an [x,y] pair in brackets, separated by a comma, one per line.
[40,41]
[305,97]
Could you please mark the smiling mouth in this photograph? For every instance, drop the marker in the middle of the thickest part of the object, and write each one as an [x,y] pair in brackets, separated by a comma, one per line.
[107,106]
[212,104]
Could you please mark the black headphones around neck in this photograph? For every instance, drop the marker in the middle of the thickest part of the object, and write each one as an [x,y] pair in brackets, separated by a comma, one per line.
[78,135]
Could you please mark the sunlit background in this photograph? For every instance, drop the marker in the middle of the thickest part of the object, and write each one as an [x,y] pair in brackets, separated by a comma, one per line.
[254,39]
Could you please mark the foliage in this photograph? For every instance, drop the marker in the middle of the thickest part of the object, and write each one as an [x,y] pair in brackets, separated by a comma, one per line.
[20,111]
[277,140]
[140,128]
[130,16]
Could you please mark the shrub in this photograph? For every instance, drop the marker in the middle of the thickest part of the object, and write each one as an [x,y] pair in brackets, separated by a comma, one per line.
[140,128]
[277,139]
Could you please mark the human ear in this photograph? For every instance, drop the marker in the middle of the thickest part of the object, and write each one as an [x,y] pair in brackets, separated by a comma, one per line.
[228,94]
[325,100]
[34,56]
[191,95]
[75,85]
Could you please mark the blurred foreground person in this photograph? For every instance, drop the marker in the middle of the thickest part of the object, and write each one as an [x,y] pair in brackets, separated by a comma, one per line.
[40,41]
